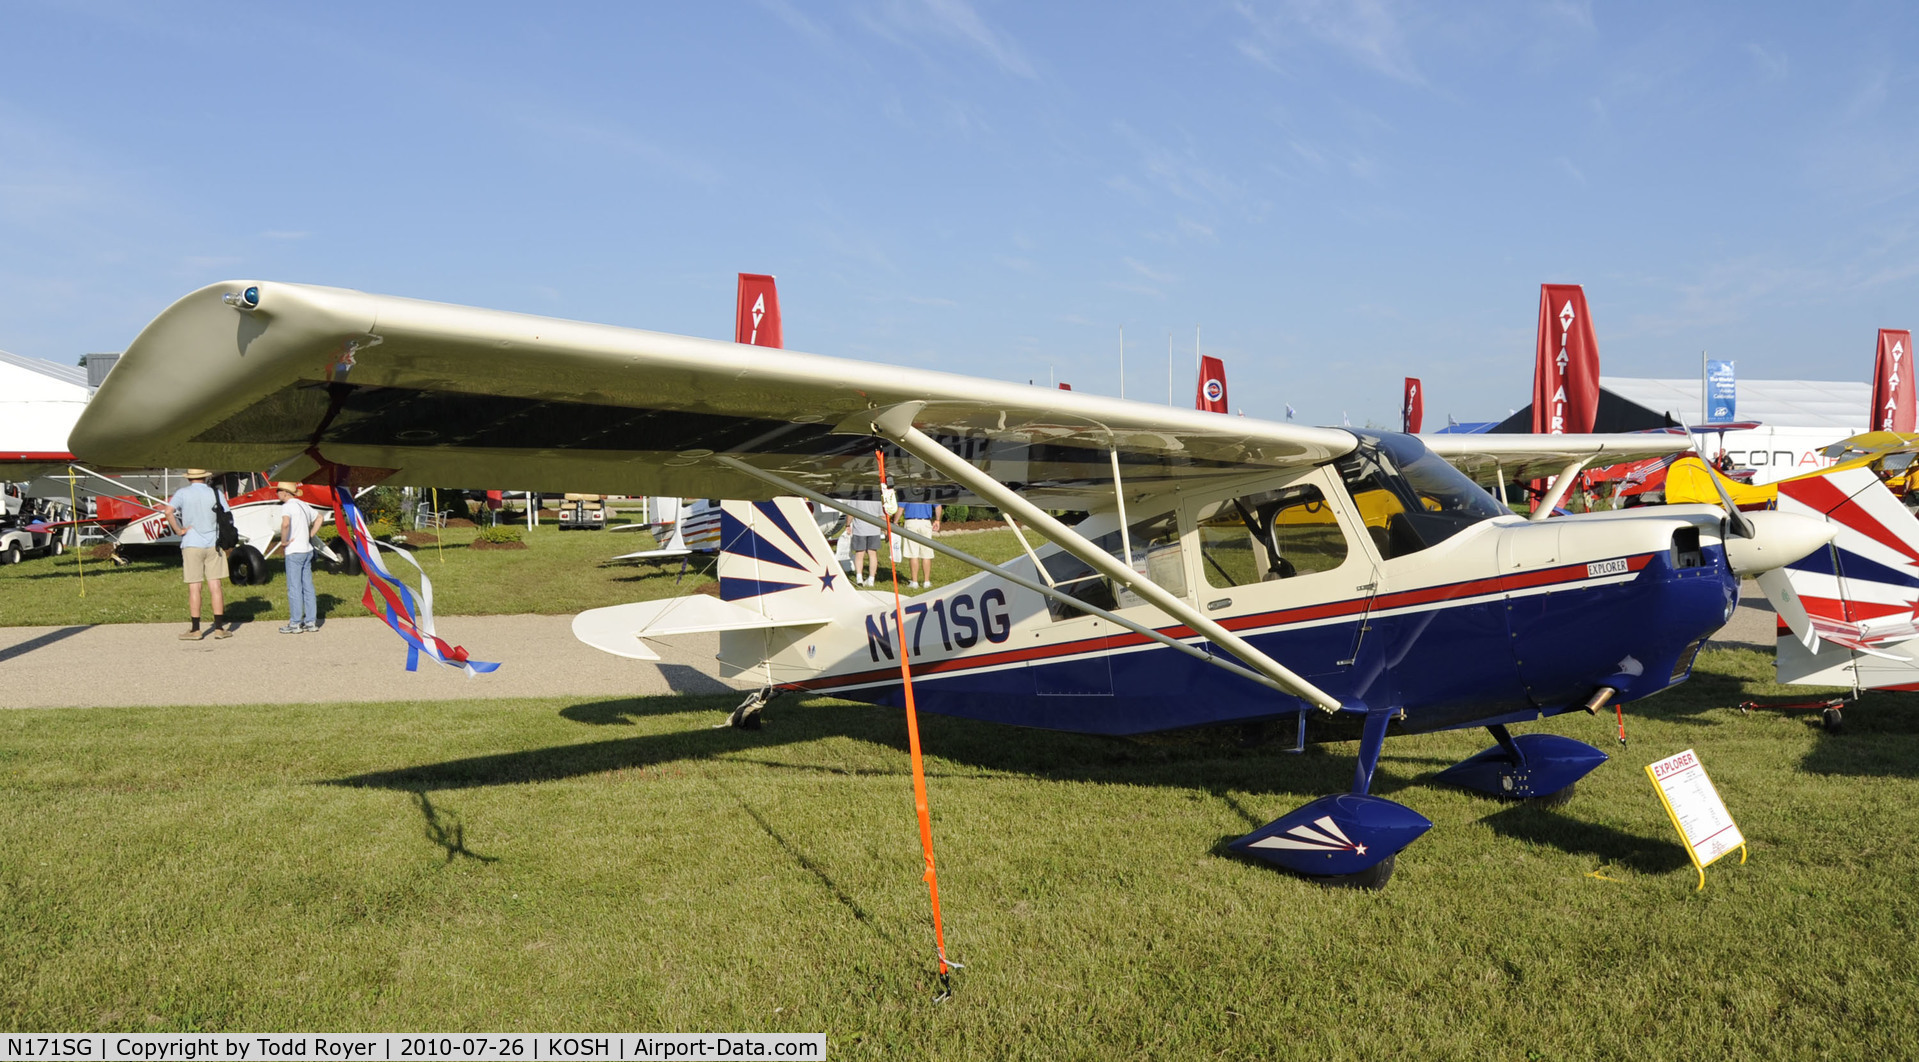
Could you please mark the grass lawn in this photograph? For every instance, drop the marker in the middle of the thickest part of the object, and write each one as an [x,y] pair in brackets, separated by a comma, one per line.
[559,573]
[552,865]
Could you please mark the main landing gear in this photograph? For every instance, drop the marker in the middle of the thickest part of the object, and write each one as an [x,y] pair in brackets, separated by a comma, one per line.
[1540,767]
[1352,840]
[1349,840]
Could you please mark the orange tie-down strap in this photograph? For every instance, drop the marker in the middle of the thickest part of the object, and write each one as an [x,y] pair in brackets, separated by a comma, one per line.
[919,767]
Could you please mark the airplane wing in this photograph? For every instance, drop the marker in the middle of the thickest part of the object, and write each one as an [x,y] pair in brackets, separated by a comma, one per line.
[256,375]
[1525,457]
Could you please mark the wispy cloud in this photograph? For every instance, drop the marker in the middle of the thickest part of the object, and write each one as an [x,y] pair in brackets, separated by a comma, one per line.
[567,126]
[1772,65]
[799,22]
[906,22]
[1871,94]
[1136,289]
[1182,174]
[1148,272]
[1366,32]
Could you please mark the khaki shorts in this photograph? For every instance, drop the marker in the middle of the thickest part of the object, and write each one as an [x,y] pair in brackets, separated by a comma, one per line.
[202,563]
[913,550]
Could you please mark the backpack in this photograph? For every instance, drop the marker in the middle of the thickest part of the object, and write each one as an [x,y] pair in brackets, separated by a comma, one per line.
[228,536]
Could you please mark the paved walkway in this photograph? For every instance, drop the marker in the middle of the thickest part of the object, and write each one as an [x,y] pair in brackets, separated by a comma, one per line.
[350,659]
[359,659]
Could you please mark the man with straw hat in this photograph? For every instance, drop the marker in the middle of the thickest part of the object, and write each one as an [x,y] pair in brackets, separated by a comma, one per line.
[191,513]
[299,524]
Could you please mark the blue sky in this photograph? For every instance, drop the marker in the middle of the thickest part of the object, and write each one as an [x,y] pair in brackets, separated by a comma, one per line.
[1336,194]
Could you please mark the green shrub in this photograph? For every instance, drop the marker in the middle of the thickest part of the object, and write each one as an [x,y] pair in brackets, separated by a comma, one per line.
[499,533]
[382,505]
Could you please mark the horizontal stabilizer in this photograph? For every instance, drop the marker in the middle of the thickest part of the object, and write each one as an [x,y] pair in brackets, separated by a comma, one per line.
[618,629]
[655,554]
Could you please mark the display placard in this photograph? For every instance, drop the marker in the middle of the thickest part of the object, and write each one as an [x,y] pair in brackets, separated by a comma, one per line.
[1704,824]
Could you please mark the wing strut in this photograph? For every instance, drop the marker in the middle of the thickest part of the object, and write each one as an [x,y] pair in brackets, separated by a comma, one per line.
[1559,488]
[786,486]
[1030,555]
[897,424]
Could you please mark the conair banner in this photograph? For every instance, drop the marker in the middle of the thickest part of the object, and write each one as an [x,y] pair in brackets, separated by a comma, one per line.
[758,320]
[1892,391]
[1566,376]
[1212,386]
[1414,408]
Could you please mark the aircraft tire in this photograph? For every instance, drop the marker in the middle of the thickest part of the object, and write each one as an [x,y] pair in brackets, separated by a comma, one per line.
[1833,721]
[58,547]
[1372,879]
[247,567]
[349,562]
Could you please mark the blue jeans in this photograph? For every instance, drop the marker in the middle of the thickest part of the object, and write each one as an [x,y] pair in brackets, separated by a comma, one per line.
[300,606]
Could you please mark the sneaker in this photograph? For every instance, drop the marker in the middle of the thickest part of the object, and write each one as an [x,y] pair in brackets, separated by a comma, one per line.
[192,636]
[221,632]
[291,628]
[310,628]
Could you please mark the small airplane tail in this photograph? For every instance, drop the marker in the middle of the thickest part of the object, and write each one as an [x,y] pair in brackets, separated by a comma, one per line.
[776,571]
[775,560]
[1859,595]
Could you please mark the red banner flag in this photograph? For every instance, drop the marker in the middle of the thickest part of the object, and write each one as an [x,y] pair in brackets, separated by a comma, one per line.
[1413,411]
[1566,376]
[757,321]
[1892,390]
[1212,386]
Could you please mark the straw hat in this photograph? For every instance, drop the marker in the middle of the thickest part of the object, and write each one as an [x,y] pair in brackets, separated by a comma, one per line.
[288,486]
[197,473]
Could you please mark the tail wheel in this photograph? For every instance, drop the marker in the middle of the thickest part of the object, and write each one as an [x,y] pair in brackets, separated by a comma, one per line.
[1833,721]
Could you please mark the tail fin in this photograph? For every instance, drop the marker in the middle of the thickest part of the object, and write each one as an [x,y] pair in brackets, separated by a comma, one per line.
[774,560]
[1862,593]
[756,320]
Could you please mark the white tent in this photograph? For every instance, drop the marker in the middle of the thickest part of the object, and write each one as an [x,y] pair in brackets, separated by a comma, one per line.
[39,403]
[1797,418]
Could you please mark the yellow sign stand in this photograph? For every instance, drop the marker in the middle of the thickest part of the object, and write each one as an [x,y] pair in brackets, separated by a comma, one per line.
[1704,824]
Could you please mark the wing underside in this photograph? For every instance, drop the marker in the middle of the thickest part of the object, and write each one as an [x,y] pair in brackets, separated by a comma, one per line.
[427,393]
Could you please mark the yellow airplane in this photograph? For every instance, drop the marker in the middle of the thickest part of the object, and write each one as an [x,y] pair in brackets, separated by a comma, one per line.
[1890,454]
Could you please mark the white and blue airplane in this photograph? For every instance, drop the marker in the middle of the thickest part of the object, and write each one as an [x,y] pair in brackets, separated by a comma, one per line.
[1231,570]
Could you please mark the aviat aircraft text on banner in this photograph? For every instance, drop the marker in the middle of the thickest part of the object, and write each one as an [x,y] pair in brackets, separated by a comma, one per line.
[1892,384]
[1566,374]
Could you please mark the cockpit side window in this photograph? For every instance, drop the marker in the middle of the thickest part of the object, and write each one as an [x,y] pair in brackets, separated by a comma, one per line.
[1408,497]
[1156,555]
[1275,534]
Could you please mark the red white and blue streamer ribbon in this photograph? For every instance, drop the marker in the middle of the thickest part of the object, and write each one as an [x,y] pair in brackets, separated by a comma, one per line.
[388,598]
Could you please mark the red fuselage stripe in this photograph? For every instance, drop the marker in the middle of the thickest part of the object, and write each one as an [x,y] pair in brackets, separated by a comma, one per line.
[1282,617]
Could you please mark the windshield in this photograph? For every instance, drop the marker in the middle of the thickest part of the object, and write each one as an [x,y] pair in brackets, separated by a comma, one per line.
[1408,497]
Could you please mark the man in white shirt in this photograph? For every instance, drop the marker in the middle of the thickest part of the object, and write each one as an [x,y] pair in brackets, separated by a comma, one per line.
[299,524]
